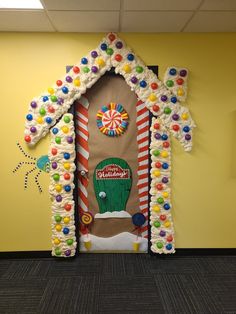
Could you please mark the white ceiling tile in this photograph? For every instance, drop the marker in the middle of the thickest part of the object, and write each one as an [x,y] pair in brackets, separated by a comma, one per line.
[154,21]
[24,21]
[213,5]
[77,21]
[92,5]
[212,22]
[149,5]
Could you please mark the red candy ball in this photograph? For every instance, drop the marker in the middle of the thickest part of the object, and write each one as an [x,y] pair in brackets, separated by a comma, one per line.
[27,139]
[118,57]
[67,176]
[59,82]
[180,81]
[175,127]
[166,144]
[51,109]
[67,207]
[158,164]
[156,126]
[76,69]
[159,187]
[163,217]
[155,108]
[54,151]
[154,86]
[169,238]
[112,37]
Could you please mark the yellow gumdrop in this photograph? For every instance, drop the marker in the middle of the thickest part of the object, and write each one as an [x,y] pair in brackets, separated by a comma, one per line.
[180,92]
[164,154]
[51,90]
[66,220]
[58,227]
[152,97]
[39,120]
[77,83]
[156,208]
[65,129]
[127,68]
[58,187]
[100,62]
[167,224]
[156,173]
[184,116]
[57,241]
[67,166]
[165,194]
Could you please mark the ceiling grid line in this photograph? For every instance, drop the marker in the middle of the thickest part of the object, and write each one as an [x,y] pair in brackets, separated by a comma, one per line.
[192,16]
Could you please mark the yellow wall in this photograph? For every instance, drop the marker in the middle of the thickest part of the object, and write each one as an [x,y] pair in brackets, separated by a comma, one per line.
[204,181]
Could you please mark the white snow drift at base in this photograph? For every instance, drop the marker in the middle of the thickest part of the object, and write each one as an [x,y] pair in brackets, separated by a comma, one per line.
[115,214]
[121,242]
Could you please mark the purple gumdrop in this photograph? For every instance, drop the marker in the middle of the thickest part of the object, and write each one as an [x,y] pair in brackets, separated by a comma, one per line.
[157,136]
[58,198]
[94,69]
[134,80]
[69,139]
[162,233]
[69,79]
[94,54]
[183,73]
[188,137]
[54,165]
[119,45]
[164,180]
[175,117]
[33,104]
[60,101]
[33,129]
[67,252]
[164,98]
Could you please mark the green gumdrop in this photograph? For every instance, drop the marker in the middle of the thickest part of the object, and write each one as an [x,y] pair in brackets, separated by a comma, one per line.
[56,177]
[160,200]
[139,69]
[57,251]
[58,140]
[167,110]
[109,51]
[86,70]
[170,83]
[66,119]
[156,152]
[42,111]
[69,241]
[53,98]
[159,245]
[57,218]
[157,224]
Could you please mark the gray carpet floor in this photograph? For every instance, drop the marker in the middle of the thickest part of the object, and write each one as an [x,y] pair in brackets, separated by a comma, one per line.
[119,284]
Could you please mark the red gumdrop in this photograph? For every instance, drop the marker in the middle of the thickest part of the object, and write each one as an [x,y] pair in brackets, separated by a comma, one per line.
[163,217]
[54,151]
[112,37]
[156,126]
[67,176]
[67,207]
[155,108]
[27,139]
[76,69]
[118,57]
[180,81]
[166,144]
[158,164]
[159,187]
[51,109]
[59,82]
[175,127]
[154,86]
[169,238]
